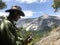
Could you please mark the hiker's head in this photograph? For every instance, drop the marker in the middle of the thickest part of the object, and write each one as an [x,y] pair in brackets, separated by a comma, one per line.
[15,12]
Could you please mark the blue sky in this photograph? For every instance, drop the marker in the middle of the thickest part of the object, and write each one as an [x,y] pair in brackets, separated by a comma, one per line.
[31,8]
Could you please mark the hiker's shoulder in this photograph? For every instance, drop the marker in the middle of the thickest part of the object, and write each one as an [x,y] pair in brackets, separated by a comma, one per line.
[5,21]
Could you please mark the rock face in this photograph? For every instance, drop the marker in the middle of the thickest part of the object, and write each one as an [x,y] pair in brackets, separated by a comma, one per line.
[52,39]
[39,23]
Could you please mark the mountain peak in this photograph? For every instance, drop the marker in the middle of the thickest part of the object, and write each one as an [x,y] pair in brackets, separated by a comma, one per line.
[45,16]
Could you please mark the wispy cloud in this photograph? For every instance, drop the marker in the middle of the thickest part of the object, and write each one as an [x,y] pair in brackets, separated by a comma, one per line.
[43,1]
[4,14]
[29,13]
[6,0]
[28,1]
[32,1]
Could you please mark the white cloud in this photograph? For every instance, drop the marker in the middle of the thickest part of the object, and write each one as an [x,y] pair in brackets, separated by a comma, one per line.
[27,1]
[32,1]
[4,14]
[7,0]
[28,13]
[42,1]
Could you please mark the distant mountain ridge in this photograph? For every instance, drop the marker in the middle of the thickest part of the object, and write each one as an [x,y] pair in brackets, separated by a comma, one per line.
[39,23]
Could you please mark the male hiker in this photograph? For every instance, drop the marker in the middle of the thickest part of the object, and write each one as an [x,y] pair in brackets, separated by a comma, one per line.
[8,30]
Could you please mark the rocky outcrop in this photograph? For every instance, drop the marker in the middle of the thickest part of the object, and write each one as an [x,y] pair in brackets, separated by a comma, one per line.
[52,39]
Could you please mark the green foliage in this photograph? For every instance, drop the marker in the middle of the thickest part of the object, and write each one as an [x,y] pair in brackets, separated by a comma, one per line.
[36,35]
[56,5]
[2,5]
